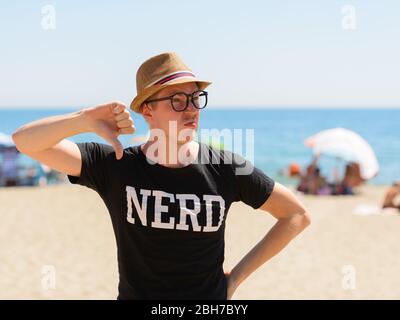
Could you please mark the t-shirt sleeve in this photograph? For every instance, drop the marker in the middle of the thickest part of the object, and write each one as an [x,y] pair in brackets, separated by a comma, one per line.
[252,185]
[94,166]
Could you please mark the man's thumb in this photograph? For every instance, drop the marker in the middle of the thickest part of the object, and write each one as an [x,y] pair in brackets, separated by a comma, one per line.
[119,150]
[105,132]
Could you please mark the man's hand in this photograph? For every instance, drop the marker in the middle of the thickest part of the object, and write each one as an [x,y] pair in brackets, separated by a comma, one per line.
[109,121]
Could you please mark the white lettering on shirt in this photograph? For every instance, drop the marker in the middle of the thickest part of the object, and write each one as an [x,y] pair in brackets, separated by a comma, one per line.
[159,209]
[141,210]
[165,218]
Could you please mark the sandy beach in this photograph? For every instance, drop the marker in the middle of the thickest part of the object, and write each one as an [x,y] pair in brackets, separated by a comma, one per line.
[56,242]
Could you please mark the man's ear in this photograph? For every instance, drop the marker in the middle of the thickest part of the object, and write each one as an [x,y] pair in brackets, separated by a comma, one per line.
[146,111]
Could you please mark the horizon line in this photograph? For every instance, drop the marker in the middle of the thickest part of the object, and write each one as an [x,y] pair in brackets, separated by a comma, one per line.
[219,107]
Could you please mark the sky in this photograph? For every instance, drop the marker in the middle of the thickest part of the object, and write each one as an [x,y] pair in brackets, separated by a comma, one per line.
[310,53]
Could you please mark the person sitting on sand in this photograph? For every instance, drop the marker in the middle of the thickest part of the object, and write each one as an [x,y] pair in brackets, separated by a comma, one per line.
[306,183]
[168,210]
[352,178]
[391,195]
[312,182]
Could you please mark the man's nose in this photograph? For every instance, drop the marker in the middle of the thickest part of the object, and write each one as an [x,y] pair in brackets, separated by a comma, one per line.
[191,107]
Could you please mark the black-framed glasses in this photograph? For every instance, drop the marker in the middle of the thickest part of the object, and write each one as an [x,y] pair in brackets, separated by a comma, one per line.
[180,100]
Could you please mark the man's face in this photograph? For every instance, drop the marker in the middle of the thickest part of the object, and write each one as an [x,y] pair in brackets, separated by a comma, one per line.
[162,116]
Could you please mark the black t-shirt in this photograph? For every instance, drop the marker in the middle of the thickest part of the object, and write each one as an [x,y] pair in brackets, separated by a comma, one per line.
[169,223]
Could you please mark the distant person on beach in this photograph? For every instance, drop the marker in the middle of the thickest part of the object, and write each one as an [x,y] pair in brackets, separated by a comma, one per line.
[312,182]
[351,179]
[168,198]
[9,170]
[390,197]
[292,171]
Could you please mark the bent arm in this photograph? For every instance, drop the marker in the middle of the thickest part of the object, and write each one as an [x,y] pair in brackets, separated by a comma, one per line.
[292,219]
[44,140]
[45,133]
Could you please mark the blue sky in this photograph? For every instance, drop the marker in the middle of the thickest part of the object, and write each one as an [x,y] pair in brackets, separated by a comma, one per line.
[257,53]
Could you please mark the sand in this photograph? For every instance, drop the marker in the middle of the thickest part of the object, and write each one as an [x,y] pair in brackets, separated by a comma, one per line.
[56,242]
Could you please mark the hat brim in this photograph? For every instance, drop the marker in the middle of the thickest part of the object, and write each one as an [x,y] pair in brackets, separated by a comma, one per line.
[147,93]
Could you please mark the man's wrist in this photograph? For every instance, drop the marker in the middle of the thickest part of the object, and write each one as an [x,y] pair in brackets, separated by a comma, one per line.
[83,122]
[233,279]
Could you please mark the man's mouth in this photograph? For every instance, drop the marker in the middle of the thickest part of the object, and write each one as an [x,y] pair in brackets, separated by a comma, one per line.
[191,124]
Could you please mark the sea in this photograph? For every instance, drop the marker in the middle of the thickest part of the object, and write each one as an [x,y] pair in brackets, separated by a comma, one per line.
[278,134]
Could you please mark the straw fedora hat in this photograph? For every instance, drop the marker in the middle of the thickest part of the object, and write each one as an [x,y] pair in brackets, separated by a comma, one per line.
[159,72]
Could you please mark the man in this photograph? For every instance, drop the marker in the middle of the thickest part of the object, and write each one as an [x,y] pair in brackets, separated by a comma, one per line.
[167,204]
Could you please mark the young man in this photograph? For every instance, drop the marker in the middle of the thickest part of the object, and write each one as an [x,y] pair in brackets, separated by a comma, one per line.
[168,198]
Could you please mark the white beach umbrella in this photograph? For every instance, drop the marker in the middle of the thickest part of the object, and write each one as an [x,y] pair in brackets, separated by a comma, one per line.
[347,145]
[6,141]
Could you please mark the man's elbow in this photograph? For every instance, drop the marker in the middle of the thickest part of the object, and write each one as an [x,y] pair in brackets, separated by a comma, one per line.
[17,141]
[15,138]
[305,220]
[297,222]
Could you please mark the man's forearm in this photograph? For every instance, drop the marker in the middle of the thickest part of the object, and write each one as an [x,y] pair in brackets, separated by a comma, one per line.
[45,133]
[273,242]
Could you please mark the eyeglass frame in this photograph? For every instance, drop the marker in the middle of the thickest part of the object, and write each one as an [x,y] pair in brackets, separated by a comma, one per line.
[191,96]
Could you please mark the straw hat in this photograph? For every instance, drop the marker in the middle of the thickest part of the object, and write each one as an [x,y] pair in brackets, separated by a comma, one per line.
[159,72]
